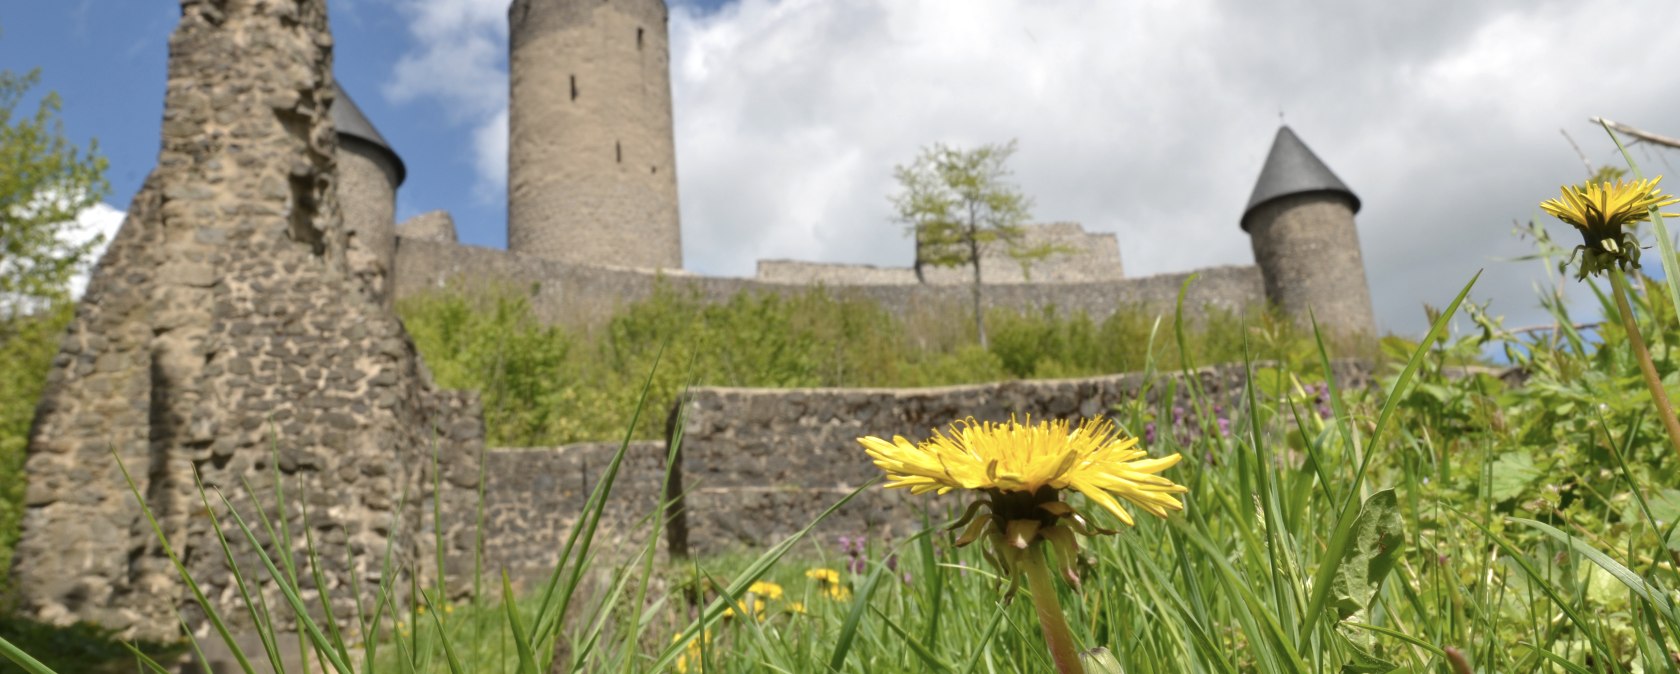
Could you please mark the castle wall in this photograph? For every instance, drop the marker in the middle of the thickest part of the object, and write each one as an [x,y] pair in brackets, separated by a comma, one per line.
[757,465]
[579,295]
[224,338]
[591,151]
[430,226]
[1078,256]
[533,496]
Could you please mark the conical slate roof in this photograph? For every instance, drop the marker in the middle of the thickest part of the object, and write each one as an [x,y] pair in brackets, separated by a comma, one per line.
[1292,168]
[348,119]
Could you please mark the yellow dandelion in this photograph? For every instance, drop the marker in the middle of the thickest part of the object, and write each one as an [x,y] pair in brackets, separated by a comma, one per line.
[1603,212]
[1021,471]
[829,580]
[796,607]
[766,589]
[692,653]
[757,609]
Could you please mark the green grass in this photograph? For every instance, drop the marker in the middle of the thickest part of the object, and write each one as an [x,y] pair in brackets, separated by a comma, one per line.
[1527,528]
[545,386]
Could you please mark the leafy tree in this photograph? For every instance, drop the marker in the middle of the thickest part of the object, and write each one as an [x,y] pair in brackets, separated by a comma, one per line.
[958,204]
[44,183]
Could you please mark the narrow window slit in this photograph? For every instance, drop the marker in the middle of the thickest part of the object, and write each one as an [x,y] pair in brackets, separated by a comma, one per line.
[618,151]
[574,87]
[638,39]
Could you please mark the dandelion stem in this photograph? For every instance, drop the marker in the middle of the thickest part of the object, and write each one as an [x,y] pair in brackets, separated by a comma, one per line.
[1619,288]
[1050,618]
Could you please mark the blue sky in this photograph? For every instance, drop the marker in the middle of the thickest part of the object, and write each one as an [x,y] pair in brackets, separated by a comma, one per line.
[1148,119]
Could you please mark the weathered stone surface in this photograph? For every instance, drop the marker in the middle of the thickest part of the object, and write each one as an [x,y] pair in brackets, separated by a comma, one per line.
[1079,256]
[585,295]
[591,152]
[200,350]
[760,464]
[429,226]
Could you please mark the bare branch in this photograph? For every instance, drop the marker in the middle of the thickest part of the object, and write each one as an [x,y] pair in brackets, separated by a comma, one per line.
[1578,152]
[1638,133]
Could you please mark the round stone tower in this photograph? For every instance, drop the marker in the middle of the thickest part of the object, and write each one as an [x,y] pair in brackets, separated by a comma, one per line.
[369,172]
[1300,220]
[591,156]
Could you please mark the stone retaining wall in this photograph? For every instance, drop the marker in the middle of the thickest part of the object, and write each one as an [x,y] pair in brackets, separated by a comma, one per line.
[759,464]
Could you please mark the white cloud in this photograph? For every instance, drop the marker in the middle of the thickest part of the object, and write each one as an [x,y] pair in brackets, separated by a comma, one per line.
[100,220]
[1147,119]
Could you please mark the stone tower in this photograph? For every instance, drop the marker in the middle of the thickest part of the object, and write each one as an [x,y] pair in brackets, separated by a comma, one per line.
[1300,220]
[591,156]
[369,172]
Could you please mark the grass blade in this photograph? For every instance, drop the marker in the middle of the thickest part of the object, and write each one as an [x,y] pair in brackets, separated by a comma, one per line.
[1343,536]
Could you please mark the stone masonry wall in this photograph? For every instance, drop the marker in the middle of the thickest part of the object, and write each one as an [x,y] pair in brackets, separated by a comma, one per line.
[759,464]
[584,295]
[1080,256]
[224,336]
[533,496]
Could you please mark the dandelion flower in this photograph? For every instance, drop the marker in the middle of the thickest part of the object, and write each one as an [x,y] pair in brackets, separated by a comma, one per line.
[1603,212]
[1020,471]
[693,652]
[766,589]
[829,579]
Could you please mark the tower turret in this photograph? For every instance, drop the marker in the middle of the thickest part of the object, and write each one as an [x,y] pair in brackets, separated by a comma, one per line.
[591,155]
[1300,220]
[369,172]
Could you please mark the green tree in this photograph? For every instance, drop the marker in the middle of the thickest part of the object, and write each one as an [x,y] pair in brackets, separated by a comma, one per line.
[45,181]
[958,204]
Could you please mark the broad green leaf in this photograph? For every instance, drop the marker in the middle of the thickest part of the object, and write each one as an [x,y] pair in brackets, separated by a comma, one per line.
[1376,545]
[1665,509]
[1512,473]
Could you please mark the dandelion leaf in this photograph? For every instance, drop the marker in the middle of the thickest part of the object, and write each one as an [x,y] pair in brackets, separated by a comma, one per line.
[1665,509]
[1512,472]
[1376,547]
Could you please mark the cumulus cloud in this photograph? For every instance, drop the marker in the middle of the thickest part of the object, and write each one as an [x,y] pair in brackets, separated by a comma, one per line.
[1146,119]
[101,220]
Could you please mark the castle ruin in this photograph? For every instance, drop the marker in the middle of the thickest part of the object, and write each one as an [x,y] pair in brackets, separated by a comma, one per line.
[239,324]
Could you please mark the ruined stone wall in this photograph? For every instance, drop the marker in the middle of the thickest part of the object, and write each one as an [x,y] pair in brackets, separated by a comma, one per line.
[533,497]
[759,464]
[591,152]
[224,336]
[1078,256]
[429,226]
[584,295]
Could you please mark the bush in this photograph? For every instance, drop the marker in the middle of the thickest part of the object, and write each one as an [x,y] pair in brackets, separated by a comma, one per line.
[546,385]
[27,346]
